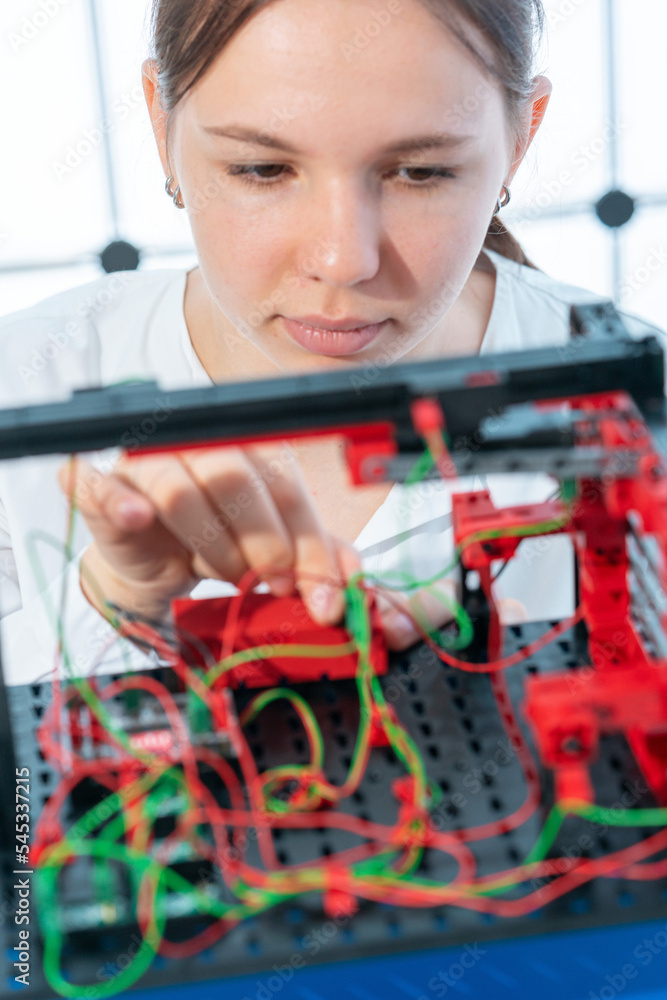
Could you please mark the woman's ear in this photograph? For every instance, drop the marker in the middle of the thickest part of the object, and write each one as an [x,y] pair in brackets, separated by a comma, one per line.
[158,118]
[533,117]
[540,100]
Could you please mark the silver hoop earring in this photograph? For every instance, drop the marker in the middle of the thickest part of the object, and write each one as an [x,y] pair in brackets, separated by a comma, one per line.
[504,199]
[174,195]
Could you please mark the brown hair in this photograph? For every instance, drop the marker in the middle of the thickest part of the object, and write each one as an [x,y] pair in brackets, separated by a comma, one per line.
[188,35]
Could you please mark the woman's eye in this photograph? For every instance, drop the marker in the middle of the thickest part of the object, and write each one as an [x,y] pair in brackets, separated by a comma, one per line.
[257,173]
[267,174]
[424,176]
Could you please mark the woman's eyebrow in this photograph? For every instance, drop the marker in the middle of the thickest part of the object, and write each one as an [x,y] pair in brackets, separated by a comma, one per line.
[435,140]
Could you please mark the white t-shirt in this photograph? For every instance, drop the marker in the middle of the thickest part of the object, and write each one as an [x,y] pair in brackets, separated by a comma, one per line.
[132,325]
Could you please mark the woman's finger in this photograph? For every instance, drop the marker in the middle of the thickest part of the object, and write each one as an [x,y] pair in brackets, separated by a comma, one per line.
[318,573]
[188,512]
[112,508]
[431,608]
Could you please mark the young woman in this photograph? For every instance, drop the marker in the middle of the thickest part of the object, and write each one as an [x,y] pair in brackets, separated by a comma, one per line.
[342,164]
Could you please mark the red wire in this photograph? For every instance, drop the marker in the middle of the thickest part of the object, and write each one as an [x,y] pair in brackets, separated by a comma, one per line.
[203,810]
[584,870]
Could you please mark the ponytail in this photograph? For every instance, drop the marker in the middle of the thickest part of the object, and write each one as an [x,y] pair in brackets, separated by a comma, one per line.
[501,241]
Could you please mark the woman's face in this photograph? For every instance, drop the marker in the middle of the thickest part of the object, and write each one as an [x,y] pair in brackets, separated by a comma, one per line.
[340,163]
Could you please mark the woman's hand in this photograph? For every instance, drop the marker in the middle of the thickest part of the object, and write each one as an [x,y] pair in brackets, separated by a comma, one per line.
[430,607]
[162,523]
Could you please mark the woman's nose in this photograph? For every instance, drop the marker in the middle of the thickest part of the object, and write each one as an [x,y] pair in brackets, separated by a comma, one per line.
[344,225]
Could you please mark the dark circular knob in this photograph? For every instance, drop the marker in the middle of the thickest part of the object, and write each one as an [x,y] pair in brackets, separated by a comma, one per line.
[615,208]
[120,256]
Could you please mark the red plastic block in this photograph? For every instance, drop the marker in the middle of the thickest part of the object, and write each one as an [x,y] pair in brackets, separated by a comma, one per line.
[476,512]
[574,783]
[279,622]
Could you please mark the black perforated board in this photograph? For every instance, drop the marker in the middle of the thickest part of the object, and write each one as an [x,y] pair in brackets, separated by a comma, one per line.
[453,719]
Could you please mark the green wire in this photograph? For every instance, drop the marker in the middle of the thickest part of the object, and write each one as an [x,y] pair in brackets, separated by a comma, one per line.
[154,790]
[596,814]
[268,651]
[462,640]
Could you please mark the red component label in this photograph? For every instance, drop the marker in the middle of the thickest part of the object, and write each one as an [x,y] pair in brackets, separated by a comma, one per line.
[158,741]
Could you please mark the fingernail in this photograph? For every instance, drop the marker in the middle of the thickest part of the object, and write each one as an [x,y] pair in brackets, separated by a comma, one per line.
[281,586]
[325,602]
[402,626]
[131,510]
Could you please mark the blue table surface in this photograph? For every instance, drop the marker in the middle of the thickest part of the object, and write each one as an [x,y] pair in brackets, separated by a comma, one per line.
[598,964]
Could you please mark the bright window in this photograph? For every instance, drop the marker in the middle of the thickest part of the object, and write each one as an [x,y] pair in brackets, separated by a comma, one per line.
[84,170]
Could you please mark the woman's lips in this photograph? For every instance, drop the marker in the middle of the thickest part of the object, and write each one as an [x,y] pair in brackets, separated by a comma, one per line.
[333,342]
